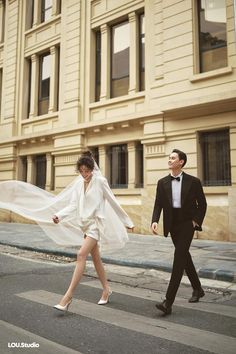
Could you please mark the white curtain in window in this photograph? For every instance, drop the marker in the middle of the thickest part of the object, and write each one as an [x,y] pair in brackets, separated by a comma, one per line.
[215,10]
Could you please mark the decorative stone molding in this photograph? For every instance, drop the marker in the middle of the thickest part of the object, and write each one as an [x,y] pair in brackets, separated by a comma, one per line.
[154,150]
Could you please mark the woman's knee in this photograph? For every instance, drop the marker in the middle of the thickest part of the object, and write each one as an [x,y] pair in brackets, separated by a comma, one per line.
[81,256]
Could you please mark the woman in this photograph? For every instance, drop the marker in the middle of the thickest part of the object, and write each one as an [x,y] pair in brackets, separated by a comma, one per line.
[88,205]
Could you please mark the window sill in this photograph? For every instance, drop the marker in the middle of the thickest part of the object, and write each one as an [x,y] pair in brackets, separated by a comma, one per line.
[126,191]
[211,74]
[40,118]
[120,99]
[42,24]
[216,189]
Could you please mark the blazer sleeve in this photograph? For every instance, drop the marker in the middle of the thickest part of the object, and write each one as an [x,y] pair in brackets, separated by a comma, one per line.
[201,205]
[109,196]
[69,209]
[158,204]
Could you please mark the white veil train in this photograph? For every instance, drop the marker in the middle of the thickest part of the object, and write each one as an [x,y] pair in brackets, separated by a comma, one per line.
[39,205]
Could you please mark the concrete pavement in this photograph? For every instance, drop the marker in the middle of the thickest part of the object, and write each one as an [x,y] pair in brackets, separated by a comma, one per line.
[213,259]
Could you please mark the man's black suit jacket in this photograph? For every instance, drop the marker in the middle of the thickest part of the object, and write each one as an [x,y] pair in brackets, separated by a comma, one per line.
[193,201]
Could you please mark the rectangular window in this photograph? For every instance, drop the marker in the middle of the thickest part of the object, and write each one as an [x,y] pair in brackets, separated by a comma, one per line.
[23,172]
[119,166]
[28,93]
[46,10]
[212,34]
[141,52]
[44,83]
[29,17]
[139,166]
[120,46]
[98,67]
[215,148]
[40,169]
[2,22]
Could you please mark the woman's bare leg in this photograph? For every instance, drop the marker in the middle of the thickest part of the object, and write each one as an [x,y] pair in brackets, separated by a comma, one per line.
[100,271]
[87,246]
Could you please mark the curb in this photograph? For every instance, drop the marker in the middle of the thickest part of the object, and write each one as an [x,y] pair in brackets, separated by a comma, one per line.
[208,273]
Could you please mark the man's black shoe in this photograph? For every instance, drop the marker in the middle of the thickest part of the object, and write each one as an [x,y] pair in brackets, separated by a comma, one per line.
[164,307]
[196,295]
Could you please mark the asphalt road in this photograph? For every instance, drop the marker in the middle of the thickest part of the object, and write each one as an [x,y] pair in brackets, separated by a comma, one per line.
[129,324]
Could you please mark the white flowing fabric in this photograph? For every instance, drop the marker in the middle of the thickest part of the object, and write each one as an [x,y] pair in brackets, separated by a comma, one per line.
[39,205]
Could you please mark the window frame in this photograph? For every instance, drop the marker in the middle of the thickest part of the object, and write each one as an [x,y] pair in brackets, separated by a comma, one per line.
[205,164]
[197,48]
[118,24]
[125,152]
[40,98]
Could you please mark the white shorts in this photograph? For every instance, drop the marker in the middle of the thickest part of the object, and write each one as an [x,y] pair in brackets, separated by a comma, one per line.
[90,228]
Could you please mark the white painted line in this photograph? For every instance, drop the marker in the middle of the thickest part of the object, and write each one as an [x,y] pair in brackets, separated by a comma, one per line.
[12,334]
[146,294]
[194,337]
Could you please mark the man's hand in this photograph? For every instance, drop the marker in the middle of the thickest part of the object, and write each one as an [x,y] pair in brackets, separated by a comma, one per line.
[55,219]
[154,228]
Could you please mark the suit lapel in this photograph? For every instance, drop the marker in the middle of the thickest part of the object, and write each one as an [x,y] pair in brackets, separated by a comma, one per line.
[168,189]
[186,184]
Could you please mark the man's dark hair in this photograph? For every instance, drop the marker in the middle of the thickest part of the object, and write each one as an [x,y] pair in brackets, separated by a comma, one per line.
[86,159]
[182,155]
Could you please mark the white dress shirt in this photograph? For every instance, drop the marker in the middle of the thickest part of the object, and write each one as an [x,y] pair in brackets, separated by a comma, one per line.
[176,191]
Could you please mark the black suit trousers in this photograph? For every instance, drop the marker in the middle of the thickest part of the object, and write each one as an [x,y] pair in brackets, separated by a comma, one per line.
[182,232]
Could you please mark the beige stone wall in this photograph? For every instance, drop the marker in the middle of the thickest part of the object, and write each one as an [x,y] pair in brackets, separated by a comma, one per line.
[178,102]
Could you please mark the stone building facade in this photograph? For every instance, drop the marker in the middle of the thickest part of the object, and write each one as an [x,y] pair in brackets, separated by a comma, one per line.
[130,80]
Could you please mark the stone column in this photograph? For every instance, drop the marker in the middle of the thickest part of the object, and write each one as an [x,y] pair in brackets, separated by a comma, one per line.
[30,170]
[36,12]
[105,63]
[53,80]
[103,161]
[34,86]
[132,165]
[133,55]
[49,170]
[1,21]
[55,6]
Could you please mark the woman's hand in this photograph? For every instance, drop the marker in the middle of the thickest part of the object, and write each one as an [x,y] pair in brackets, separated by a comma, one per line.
[154,228]
[55,219]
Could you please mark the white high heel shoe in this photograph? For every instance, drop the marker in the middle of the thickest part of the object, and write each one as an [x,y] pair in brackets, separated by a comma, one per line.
[63,308]
[104,302]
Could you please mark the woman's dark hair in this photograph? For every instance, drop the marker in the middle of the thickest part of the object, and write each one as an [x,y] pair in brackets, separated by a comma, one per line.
[86,159]
[182,155]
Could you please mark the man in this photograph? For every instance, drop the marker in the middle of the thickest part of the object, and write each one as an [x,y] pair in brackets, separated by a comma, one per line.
[183,202]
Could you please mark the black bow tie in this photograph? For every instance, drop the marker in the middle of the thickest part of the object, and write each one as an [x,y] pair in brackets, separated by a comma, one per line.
[176,178]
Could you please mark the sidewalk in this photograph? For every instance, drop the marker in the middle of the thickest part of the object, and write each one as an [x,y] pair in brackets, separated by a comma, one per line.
[213,259]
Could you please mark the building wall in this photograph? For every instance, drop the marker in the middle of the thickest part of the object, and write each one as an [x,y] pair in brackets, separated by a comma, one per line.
[177,105]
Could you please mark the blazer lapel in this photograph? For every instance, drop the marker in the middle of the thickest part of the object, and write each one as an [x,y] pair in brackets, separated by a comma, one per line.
[186,184]
[168,189]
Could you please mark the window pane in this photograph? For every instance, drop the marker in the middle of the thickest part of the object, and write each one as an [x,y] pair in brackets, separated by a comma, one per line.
[120,60]
[212,34]
[142,52]
[29,67]
[44,83]
[119,166]
[98,67]
[215,148]
[40,167]
[24,169]
[46,10]
[45,78]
